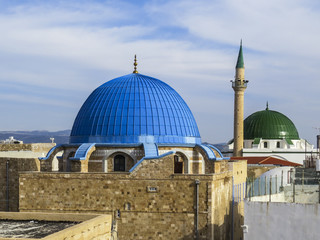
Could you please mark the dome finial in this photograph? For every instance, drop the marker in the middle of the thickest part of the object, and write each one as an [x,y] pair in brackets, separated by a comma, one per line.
[135,64]
[267,106]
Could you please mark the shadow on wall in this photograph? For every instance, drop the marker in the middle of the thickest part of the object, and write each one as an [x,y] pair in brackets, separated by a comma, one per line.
[221,231]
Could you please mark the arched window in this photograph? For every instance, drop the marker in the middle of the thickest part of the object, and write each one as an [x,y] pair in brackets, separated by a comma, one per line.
[178,164]
[119,162]
[278,144]
[265,145]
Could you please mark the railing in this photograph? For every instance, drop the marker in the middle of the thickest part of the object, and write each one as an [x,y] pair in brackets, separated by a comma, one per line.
[297,185]
[239,83]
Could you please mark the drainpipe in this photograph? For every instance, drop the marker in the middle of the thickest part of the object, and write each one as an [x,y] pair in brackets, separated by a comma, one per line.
[197,182]
[7,187]
[294,190]
[319,189]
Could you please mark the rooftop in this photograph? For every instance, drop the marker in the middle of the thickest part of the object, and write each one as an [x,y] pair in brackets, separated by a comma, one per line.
[31,228]
[267,161]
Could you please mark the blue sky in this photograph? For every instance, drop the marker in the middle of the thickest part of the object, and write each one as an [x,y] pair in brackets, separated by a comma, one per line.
[53,54]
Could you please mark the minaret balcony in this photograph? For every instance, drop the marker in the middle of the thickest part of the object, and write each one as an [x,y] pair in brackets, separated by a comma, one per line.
[239,83]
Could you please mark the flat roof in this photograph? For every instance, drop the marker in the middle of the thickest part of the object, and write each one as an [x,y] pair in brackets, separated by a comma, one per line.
[31,228]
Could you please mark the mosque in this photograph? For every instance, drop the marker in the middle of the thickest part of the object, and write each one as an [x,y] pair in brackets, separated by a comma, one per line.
[131,118]
[263,133]
[271,133]
[135,152]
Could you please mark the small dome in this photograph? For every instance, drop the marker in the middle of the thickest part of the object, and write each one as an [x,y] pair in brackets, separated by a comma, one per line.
[135,109]
[269,124]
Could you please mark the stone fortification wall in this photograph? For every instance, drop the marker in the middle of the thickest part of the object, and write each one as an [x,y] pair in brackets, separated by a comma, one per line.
[151,202]
[9,187]
[144,207]
[34,147]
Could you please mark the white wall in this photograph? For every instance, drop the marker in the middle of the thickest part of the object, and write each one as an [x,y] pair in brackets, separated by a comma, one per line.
[279,197]
[279,221]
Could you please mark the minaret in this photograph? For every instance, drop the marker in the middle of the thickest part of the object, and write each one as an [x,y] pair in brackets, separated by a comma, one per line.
[239,85]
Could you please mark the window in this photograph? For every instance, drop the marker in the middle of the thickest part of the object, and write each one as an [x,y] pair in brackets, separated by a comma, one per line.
[278,144]
[265,145]
[119,163]
[178,164]
[127,206]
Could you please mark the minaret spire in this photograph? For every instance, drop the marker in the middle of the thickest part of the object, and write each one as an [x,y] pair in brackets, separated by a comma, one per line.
[135,64]
[239,85]
[240,62]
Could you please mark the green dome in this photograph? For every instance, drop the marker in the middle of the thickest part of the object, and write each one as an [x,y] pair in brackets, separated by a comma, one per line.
[269,124]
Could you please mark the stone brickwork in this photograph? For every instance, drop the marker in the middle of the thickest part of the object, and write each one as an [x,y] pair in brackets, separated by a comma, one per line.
[256,171]
[34,147]
[163,208]
[149,203]
[15,165]
[239,171]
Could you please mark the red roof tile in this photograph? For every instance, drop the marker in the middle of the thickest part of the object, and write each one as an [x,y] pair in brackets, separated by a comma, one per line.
[266,161]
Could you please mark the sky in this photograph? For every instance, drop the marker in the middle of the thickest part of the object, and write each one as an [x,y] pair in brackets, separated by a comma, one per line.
[53,54]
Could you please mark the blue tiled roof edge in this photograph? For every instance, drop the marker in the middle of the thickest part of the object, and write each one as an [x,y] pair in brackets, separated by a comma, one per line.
[210,154]
[50,152]
[82,151]
[215,148]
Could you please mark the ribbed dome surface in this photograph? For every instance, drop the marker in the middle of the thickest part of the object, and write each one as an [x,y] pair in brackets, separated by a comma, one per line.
[269,124]
[135,109]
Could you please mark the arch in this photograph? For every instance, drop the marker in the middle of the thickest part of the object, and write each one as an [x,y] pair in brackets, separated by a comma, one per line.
[124,151]
[278,144]
[265,144]
[56,165]
[108,161]
[181,163]
[49,163]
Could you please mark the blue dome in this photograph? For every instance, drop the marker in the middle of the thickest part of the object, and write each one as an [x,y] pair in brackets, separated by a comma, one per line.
[135,109]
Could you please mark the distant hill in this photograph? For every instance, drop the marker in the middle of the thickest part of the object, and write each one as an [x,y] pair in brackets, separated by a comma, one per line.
[60,137]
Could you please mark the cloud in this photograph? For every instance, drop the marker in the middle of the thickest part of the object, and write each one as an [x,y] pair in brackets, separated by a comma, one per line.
[54,53]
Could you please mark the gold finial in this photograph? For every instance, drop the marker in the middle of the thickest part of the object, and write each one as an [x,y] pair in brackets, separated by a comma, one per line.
[135,64]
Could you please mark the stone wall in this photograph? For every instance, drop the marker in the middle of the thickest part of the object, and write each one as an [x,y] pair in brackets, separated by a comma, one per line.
[15,165]
[256,171]
[145,207]
[152,195]
[34,147]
